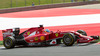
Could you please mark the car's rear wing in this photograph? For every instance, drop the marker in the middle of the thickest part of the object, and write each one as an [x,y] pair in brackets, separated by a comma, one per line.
[10,32]
[7,33]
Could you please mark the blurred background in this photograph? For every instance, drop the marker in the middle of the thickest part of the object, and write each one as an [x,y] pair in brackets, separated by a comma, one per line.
[23,3]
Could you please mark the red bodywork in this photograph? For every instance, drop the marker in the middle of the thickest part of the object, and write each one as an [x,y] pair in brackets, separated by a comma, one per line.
[37,35]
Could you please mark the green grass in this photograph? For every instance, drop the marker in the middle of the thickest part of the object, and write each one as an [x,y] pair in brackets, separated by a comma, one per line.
[21,3]
[1,43]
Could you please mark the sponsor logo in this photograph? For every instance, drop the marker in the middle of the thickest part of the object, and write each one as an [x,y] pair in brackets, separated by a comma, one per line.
[31,40]
[53,42]
[36,38]
[42,38]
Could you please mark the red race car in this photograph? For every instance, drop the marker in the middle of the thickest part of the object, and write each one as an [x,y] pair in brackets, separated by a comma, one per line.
[37,36]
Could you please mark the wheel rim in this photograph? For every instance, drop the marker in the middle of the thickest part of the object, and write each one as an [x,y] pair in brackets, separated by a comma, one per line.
[67,39]
[7,42]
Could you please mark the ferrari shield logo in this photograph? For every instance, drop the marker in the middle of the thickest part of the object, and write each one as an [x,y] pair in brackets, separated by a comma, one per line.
[28,33]
[56,34]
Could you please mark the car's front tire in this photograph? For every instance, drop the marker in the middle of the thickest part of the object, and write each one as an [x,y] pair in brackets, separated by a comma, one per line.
[69,39]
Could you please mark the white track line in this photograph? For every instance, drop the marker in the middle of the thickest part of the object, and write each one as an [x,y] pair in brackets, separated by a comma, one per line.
[2,47]
[48,21]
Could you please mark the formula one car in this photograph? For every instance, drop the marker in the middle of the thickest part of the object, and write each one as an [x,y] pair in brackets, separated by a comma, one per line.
[37,36]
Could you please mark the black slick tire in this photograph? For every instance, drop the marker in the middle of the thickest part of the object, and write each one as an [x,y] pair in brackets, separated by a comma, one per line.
[69,39]
[9,42]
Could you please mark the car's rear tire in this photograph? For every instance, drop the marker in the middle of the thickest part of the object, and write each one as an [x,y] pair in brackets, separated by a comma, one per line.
[82,32]
[69,39]
[9,42]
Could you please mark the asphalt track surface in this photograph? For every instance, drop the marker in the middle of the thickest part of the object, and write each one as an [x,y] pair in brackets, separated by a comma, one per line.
[61,50]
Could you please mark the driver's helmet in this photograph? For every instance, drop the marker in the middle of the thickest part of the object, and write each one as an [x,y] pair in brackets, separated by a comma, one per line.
[47,30]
